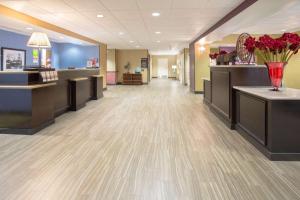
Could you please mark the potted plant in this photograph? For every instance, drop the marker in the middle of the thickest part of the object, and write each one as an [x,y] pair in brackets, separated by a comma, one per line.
[127,67]
[276,53]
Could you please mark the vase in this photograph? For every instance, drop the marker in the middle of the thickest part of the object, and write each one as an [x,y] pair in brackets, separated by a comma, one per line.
[276,70]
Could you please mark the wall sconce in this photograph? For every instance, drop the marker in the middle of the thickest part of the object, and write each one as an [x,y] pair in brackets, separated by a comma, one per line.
[201,48]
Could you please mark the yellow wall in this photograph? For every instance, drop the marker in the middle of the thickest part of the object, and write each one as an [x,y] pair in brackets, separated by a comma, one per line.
[292,72]
[202,69]
[172,60]
[134,58]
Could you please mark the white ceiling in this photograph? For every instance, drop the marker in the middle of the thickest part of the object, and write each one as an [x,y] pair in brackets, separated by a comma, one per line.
[284,19]
[180,20]
[263,17]
[21,27]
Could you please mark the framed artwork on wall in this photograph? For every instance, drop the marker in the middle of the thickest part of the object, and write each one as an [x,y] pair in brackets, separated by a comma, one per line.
[12,59]
[144,62]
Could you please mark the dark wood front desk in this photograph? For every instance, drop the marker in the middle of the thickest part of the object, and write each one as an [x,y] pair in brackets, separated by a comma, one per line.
[270,120]
[218,92]
[62,91]
[27,106]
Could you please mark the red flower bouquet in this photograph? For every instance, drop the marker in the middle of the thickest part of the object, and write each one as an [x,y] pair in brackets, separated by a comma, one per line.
[274,49]
[275,52]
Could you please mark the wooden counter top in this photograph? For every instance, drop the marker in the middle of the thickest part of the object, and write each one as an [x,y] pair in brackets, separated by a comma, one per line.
[26,87]
[79,79]
[268,94]
[18,72]
[97,76]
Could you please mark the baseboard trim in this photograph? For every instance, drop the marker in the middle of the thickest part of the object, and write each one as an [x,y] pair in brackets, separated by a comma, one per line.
[27,131]
[198,92]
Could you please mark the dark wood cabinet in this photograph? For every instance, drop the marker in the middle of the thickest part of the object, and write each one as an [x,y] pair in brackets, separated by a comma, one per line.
[270,123]
[96,87]
[132,79]
[79,93]
[207,91]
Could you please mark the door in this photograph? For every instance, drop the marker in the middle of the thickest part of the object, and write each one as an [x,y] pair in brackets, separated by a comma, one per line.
[162,67]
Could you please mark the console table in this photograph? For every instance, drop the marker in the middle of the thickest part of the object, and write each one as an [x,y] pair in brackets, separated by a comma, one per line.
[132,79]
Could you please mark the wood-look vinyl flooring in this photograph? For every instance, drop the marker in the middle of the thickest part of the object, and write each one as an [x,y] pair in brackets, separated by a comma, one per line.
[150,142]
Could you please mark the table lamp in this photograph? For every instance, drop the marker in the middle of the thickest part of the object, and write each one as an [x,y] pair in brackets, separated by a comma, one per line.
[39,40]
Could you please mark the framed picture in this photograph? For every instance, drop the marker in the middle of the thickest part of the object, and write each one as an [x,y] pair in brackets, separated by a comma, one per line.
[12,59]
[144,62]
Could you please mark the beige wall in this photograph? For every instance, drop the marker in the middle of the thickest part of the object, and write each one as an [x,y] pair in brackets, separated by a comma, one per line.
[180,67]
[103,62]
[186,67]
[111,60]
[172,60]
[134,58]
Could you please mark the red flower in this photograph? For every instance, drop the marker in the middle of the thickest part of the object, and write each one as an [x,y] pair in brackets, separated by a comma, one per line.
[250,44]
[223,52]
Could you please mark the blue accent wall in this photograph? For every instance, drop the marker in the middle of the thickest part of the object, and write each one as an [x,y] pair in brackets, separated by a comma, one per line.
[63,54]
[16,41]
[71,55]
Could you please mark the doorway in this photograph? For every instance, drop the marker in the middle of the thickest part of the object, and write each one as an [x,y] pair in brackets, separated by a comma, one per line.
[162,71]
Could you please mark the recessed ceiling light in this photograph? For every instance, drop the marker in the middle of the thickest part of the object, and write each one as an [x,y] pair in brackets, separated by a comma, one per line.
[158,41]
[29,28]
[157,32]
[100,16]
[131,41]
[155,14]
[121,33]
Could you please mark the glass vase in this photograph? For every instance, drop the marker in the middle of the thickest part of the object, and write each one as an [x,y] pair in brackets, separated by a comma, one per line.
[276,70]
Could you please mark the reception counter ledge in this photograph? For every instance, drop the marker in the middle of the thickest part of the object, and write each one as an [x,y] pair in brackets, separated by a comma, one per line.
[269,120]
[27,106]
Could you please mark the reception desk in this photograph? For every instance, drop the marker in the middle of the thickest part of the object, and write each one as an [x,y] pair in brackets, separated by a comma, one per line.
[218,90]
[62,91]
[27,105]
[242,98]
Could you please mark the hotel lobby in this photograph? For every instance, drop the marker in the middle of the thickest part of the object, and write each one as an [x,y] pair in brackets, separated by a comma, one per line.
[150,100]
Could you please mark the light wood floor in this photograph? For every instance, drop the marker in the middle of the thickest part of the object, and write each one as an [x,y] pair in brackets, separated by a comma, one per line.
[141,143]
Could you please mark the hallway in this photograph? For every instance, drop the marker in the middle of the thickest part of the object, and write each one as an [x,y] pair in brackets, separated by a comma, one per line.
[156,141]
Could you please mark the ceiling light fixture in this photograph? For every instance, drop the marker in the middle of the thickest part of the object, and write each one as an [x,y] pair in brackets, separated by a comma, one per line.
[121,33]
[100,16]
[155,14]
[131,41]
[158,41]
[157,32]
